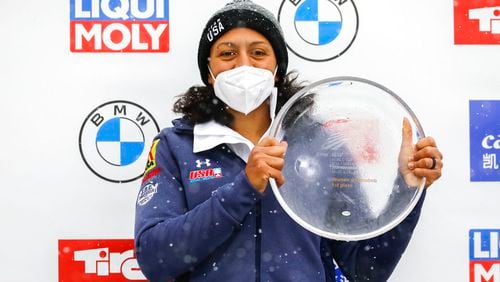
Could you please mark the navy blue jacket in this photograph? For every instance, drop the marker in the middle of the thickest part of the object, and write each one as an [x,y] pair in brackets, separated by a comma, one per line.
[199,219]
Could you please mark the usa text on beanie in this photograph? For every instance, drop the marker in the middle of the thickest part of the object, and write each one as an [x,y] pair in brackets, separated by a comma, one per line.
[242,13]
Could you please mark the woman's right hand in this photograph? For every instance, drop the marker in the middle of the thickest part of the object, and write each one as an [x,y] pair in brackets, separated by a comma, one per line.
[266,160]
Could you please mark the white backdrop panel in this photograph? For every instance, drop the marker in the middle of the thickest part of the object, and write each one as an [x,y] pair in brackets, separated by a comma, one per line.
[47,91]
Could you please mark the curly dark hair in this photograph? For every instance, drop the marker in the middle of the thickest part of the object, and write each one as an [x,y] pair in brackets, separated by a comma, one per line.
[199,104]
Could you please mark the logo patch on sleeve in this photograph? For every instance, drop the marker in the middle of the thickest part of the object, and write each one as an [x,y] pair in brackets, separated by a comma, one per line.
[147,193]
[151,174]
[151,164]
[205,174]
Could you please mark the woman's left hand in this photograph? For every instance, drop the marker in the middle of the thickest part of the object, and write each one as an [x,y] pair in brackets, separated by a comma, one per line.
[420,160]
[427,161]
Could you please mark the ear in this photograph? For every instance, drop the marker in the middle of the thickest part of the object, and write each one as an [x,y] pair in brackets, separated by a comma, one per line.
[276,76]
[211,79]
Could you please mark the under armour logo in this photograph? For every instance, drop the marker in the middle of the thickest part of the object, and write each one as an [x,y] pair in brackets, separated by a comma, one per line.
[200,163]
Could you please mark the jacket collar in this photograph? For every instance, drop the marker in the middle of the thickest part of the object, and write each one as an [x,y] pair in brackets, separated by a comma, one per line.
[211,134]
[182,125]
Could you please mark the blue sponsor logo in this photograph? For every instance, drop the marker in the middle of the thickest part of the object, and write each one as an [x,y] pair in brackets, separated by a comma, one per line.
[117,148]
[319,30]
[113,139]
[315,26]
[484,140]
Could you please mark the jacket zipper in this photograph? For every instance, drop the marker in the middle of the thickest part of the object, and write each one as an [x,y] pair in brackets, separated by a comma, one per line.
[258,239]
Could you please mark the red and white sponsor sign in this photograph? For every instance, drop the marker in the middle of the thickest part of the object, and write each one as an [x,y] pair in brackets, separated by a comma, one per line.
[477,21]
[98,261]
[119,26]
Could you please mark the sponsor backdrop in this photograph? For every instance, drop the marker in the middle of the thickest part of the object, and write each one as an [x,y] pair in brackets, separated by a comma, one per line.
[86,84]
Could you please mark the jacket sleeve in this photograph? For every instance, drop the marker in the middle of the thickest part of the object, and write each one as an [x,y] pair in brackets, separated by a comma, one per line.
[170,239]
[375,259]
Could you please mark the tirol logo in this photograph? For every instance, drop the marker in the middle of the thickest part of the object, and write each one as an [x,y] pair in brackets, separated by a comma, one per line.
[119,25]
[484,140]
[98,260]
[484,252]
[113,139]
[319,30]
[477,22]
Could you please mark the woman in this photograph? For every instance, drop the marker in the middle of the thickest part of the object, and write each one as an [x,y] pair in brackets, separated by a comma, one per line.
[204,212]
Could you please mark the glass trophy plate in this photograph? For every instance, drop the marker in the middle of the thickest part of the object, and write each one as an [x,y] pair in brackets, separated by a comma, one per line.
[344,170]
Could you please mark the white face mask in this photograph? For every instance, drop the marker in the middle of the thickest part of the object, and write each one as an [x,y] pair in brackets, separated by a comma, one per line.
[244,88]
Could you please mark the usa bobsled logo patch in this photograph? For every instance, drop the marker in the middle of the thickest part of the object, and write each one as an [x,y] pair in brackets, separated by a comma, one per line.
[146,194]
[205,174]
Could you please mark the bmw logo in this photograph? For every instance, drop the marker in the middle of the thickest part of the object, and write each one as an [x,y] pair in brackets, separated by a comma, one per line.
[113,139]
[319,30]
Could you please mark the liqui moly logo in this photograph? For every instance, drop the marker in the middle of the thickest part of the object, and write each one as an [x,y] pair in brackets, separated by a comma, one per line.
[477,22]
[98,260]
[484,264]
[119,25]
